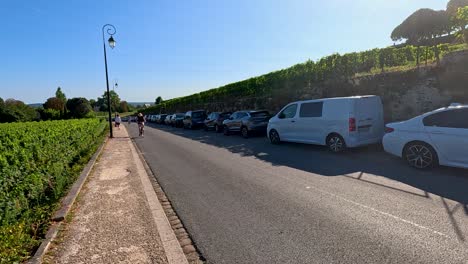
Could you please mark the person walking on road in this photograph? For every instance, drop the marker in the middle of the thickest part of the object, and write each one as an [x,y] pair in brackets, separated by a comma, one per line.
[141,124]
[118,120]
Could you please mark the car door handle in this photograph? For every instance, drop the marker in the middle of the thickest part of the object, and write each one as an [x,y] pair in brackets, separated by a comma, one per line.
[293,121]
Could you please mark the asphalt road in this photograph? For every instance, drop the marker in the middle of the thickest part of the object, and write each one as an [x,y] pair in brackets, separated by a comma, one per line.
[247,201]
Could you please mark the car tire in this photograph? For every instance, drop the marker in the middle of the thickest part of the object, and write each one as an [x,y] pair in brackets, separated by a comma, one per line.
[245,132]
[274,137]
[226,131]
[420,155]
[336,143]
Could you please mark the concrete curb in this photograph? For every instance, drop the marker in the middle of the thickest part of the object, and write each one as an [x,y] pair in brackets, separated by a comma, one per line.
[66,205]
[172,248]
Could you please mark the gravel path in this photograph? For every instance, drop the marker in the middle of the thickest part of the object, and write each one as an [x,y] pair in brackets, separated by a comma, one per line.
[111,221]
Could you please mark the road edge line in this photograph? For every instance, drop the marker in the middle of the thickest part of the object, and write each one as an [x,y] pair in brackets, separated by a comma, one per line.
[171,245]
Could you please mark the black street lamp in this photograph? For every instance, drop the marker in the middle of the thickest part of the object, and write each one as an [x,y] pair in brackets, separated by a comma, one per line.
[116,85]
[111,31]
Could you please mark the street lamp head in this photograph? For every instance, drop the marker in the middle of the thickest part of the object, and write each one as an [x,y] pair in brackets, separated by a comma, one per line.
[111,42]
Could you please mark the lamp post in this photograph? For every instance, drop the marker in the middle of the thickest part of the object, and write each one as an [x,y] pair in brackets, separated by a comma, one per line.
[111,31]
[116,85]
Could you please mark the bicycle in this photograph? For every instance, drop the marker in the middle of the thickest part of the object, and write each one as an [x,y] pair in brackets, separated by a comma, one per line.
[141,128]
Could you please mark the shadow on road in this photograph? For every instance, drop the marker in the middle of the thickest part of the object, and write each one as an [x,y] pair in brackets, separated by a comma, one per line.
[446,182]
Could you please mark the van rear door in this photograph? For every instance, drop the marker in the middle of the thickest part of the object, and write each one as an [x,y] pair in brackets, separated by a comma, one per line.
[368,114]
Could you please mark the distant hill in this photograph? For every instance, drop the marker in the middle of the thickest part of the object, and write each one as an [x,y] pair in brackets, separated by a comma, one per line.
[36,105]
[139,103]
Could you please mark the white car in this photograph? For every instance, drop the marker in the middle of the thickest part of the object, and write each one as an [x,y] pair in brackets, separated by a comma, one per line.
[335,122]
[439,137]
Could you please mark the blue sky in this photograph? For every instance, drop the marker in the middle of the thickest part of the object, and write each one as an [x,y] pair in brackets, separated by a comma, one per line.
[179,47]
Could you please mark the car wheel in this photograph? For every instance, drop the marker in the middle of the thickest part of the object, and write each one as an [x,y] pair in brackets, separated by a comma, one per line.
[274,137]
[336,143]
[226,131]
[420,155]
[245,132]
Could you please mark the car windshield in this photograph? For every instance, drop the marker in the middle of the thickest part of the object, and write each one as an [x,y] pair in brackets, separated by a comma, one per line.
[198,114]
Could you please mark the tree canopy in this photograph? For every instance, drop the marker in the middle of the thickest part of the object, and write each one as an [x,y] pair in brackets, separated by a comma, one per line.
[54,103]
[13,110]
[79,107]
[424,24]
[158,100]
[453,5]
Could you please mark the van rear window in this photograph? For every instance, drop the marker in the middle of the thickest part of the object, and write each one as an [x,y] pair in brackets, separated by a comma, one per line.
[311,109]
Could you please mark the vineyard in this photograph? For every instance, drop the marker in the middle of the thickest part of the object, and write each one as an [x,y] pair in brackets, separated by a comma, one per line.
[334,67]
[38,162]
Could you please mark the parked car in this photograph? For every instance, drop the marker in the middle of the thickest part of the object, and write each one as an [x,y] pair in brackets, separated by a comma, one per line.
[439,137]
[178,120]
[335,122]
[167,121]
[160,118]
[194,119]
[215,121]
[152,118]
[246,122]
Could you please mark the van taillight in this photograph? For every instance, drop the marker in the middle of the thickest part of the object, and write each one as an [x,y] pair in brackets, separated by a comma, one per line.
[389,129]
[352,124]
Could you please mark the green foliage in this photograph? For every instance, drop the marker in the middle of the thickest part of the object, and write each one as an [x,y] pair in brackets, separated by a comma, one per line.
[38,161]
[453,5]
[279,84]
[123,107]
[158,100]
[60,95]
[461,19]
[424,24]
[50,114]
[16,111]
[55,103]
[79,107]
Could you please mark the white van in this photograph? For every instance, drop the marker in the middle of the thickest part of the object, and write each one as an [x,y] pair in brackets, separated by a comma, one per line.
[335,122]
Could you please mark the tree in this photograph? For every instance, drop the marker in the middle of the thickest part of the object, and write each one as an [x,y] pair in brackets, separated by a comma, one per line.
[158,100]
[93,103]
[60,95]
[114,98]
[123,107]
[461,19]
[79,107]
[424,24]
[13,110]
[453,5]
[55,104]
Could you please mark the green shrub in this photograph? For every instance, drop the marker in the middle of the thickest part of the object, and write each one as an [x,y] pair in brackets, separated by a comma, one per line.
[38,161]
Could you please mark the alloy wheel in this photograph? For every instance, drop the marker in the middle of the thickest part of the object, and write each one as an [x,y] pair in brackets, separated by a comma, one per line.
[274,137]
[419,156]
[336,143]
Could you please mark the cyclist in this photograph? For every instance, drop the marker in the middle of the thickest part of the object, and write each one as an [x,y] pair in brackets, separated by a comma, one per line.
[141,123]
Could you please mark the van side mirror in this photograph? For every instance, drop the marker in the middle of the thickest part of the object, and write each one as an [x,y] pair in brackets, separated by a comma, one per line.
[281,116]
